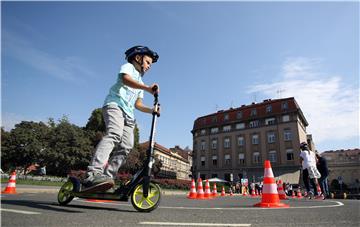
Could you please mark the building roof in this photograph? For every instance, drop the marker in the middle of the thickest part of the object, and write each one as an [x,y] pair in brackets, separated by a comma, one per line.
[164,150]
[355,151]
[276,104]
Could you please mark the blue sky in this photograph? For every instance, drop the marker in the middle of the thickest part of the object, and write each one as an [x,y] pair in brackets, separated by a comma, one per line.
[60,58]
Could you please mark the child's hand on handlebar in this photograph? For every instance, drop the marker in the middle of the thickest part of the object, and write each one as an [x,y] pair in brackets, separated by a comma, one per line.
[157,110]
[154,88]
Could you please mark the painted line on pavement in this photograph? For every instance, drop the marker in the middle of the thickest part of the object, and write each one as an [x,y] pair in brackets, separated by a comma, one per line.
[252,208]
[191,224]
[337,204]
[19,211]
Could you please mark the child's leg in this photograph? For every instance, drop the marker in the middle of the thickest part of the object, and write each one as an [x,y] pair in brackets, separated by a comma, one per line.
[114,121]
[119,155]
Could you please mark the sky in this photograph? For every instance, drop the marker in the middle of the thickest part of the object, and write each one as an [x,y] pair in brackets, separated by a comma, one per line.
[61,58]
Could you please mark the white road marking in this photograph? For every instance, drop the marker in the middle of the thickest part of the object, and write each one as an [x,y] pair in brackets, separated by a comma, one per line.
[253,208]
[19,211]
[191,224]
[337,204]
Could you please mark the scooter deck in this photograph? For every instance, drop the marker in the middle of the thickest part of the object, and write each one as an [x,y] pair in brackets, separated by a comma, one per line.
[98,188]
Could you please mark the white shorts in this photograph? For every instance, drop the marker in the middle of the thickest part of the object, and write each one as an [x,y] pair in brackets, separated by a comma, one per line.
[313,172]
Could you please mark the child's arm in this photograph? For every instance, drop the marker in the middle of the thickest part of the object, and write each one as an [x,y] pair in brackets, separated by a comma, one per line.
[128,81]
[140,106]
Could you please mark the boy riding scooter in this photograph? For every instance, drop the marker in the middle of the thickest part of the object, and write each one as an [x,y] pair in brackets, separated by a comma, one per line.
[118,112]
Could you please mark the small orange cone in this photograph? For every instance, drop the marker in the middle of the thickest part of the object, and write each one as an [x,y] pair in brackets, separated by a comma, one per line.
[192,194]
[207,193]
[299,196]
[319,193]
[253,193]
[200,191]
[281,191]
[293,194]
[11,186]
[223,191]
[231,192]
[270,196]
[214,192]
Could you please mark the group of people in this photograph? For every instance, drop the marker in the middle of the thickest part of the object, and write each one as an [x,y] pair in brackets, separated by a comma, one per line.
[315,172]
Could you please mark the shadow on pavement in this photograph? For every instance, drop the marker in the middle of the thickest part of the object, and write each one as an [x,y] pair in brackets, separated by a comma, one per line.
[58,208]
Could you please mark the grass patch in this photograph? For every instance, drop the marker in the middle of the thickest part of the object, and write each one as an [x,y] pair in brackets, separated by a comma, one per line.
[34,182]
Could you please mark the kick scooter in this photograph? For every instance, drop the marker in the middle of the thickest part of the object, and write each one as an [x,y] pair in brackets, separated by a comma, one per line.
[144,193]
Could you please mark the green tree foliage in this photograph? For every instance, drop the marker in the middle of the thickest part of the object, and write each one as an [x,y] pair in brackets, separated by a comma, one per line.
[70,149]
[24,145]
[96,126]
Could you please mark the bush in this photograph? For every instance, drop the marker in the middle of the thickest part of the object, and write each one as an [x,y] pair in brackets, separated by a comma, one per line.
[174,183]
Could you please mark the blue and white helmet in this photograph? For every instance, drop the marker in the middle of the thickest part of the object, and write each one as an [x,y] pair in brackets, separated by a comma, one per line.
[141,50]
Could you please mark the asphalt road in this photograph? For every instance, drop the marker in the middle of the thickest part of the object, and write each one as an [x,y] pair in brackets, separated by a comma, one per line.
[37,206]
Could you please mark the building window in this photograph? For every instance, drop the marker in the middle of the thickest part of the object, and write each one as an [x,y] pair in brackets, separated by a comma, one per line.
[284,106]
[227,128]
[272,156]
[240,126]
[227,143]
[227,159]
[214,160]
[203,131]
[255,139]
[270,121]
[256,157]
[268,109]
[287,135]
[214,144]
[241,158]
[202,161]
[239,115]
[214,119]
[285,118]
[253,112]
[254,124]
[202,146]
[226,117]
[241,141]
[271,137]
[289,154]
[214,130]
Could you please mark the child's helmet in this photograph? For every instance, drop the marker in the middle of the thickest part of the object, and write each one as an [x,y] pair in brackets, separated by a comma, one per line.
[141,50]
[304,146]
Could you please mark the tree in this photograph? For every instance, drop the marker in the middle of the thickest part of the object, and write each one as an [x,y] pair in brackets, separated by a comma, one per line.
[24,145]
[70,149]
[96,126]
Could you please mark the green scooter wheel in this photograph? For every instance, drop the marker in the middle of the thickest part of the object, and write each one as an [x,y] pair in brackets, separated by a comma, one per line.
[65,196]
[148,204]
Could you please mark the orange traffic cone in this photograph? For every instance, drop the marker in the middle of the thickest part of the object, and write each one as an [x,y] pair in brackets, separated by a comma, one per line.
[192,194]
[214,192]
[293,194]
[319,193]
[207,194]
[270,196]
[200,191]
[253,193]
[281,191]
[11,186]
[299,196]
[223,191]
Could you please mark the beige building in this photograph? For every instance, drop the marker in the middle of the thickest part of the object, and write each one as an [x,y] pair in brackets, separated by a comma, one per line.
[176,162]
[344,165]
[234,143]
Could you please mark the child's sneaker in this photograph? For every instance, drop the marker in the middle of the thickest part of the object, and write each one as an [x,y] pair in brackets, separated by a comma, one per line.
[97,183]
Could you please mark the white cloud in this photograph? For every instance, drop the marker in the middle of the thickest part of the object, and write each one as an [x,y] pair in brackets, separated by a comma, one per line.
[330,106]
[68,68]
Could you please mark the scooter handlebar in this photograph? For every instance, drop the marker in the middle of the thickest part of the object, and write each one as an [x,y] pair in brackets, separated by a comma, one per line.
[155,90]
